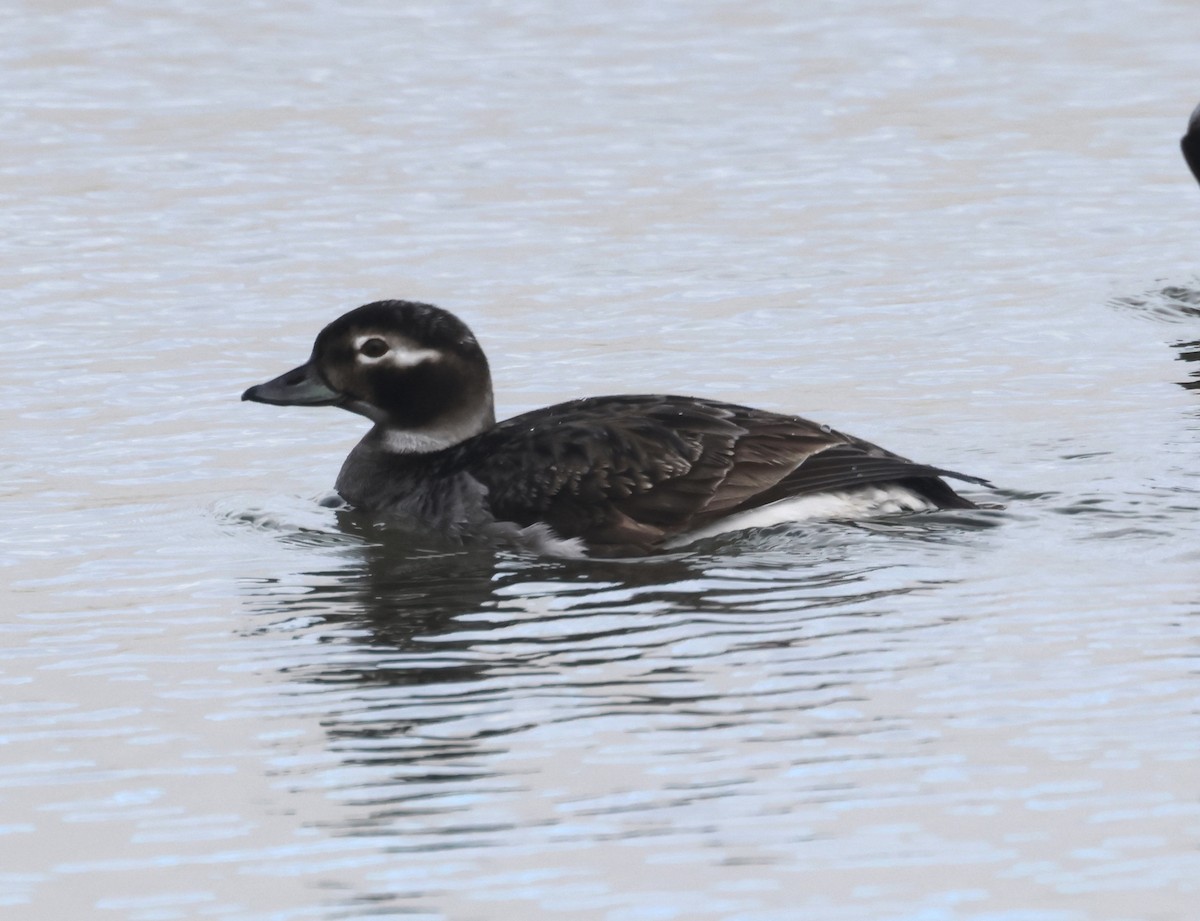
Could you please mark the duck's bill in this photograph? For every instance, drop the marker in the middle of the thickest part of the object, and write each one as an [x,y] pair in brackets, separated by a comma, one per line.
[299,387]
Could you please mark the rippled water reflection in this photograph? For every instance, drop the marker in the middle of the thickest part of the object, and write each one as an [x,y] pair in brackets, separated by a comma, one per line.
[501,708]
[965,235]
[1174,304]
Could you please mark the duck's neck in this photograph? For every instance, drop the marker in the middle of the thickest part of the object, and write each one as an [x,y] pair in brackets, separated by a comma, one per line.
[404,442]
[391,461]
[425,488]
[393,434]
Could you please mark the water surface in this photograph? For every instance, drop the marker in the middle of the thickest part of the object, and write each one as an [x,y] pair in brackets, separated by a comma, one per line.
[965,235]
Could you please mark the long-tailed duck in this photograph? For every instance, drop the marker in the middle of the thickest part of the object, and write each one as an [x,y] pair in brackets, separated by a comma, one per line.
[612,475]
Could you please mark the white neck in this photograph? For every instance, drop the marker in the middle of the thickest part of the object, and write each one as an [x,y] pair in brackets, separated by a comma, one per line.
[434,437]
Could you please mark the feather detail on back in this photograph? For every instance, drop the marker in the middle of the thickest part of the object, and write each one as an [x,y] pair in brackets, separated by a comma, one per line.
[639,470]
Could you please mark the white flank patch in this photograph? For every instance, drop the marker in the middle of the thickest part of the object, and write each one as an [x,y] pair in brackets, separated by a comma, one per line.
[855,503]
[540,538]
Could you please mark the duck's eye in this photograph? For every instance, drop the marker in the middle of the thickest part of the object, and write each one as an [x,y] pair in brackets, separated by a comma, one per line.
[374,348]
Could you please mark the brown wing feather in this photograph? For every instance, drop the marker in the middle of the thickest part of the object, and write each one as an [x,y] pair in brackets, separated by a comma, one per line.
[636,470]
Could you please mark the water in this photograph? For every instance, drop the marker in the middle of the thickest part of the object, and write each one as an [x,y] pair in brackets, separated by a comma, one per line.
[966,235]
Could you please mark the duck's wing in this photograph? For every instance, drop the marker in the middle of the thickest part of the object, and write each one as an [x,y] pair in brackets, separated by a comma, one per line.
[633,471]
[616,471]
[855,463]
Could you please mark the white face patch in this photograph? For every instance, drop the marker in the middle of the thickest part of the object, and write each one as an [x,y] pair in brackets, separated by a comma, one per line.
[400,354]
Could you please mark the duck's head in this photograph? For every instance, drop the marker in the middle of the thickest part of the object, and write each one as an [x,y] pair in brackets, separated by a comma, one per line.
[414,370]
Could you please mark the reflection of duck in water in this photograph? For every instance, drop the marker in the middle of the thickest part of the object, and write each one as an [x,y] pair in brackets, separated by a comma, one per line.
[1190,143]
[606,475]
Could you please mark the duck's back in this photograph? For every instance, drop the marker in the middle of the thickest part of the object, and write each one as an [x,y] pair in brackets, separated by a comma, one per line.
[629,473]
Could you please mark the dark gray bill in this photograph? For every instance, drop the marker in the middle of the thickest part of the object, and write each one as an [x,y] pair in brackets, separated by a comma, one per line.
[299,387]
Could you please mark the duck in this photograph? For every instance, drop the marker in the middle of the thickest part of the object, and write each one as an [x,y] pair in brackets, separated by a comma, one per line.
[1190,143]
[604,476]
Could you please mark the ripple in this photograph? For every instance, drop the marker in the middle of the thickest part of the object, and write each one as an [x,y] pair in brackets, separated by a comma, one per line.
[1170,304]
[222,698]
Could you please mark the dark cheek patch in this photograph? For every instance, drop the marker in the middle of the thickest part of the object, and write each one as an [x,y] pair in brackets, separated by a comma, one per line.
[337,368]
[414,397]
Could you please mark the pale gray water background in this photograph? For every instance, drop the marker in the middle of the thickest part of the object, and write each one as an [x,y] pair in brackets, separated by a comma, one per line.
[964,232]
